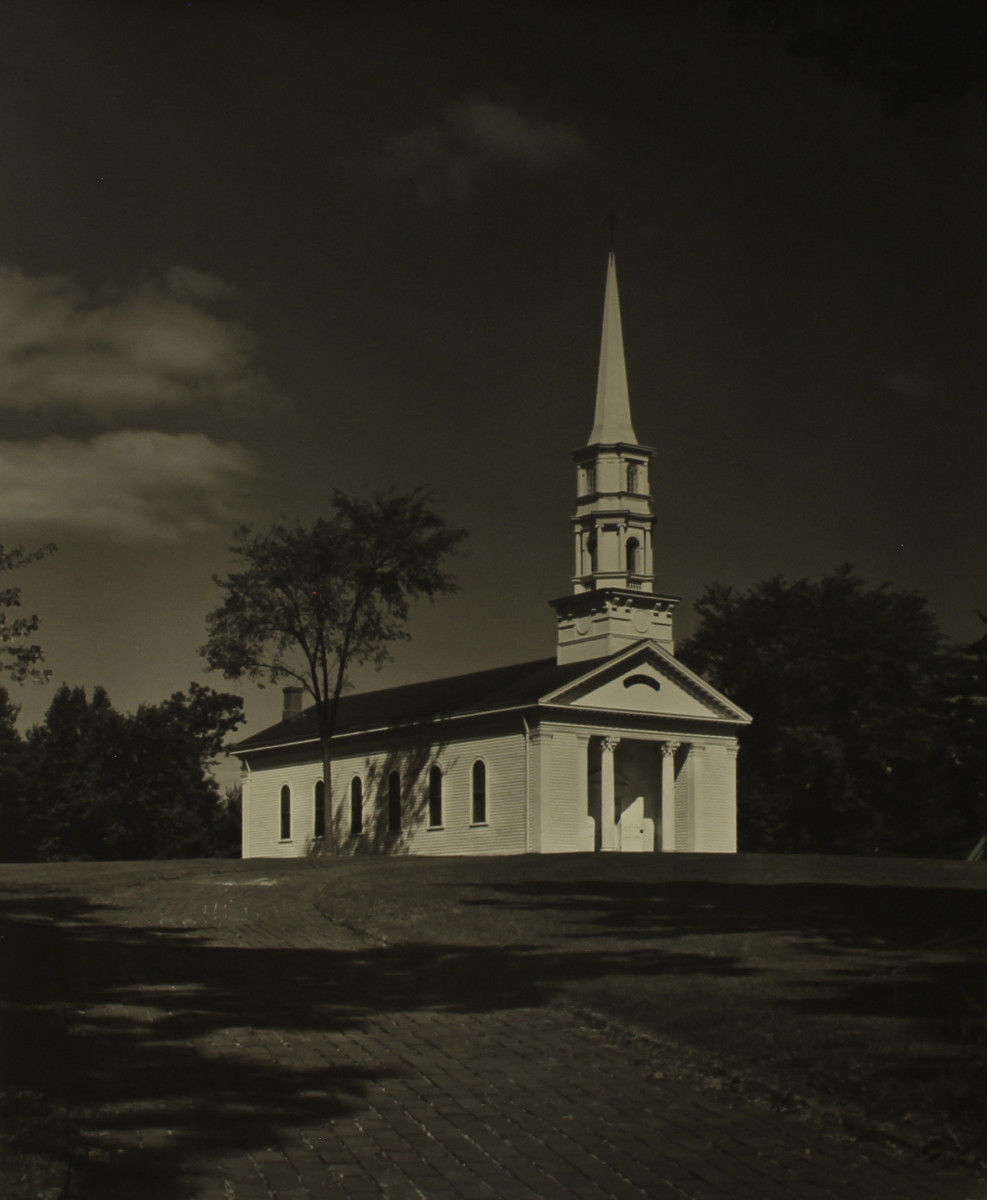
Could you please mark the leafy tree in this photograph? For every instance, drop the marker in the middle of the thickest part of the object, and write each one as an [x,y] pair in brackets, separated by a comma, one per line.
[74,788]
[12,847]
[228,823]
[849,688]
[174,744]
[103,785]
[309,604]
[966,746]
[19,659]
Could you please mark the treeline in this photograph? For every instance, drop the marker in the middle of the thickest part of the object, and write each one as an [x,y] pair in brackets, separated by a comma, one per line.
[869,732]
[93,783]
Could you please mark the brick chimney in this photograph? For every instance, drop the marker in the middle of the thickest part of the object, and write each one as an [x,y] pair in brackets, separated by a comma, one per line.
[292,706]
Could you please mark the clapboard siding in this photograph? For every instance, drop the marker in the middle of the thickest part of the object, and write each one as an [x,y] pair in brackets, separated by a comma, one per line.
[685,769]
[717,816]
[262,811]
[564,824]
[501,833]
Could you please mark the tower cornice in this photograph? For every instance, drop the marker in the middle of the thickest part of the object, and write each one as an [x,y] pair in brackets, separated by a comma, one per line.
[605,620]
[594,449]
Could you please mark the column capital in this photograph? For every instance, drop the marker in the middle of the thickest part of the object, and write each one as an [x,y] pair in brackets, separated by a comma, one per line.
[610,743]
[668,749]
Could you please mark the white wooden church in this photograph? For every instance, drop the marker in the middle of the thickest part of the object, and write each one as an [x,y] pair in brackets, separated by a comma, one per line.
[611,744]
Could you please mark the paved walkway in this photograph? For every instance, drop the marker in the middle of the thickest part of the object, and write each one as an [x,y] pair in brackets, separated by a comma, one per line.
[224,1049]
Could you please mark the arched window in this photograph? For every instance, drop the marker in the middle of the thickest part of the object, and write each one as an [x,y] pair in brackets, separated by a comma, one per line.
[319,829]
[633,555]
[435,797]
[356,805]
[286,813]
[479,792]
[394,801]
[632,476]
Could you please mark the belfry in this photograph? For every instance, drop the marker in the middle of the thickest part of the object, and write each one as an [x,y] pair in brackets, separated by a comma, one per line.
[611,744]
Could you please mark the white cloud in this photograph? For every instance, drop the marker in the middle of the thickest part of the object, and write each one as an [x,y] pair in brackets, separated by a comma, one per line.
[133,485]
[152,344]
[476,136]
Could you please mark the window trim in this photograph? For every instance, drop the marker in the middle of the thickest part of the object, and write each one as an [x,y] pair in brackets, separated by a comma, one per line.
[475,822]
[632,556]
[317,836]
[633,477]
[394,805]
[356,805]
[435,797]
[284,813]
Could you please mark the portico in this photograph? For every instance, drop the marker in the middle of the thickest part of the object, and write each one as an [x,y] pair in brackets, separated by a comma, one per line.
[633,792]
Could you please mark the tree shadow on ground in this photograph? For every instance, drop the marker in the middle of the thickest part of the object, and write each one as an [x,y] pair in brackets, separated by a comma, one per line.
[172,1050]
[913,953]
[845,916]
[906,965]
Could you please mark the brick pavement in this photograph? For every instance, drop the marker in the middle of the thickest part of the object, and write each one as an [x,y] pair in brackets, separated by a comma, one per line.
[230,1043]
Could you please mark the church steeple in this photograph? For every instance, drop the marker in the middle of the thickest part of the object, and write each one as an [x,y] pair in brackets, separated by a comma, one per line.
[614,518]
[615,602]
[612,422]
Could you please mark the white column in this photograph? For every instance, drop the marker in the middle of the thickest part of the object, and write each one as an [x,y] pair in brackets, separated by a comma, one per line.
[668,796]
[696,794]
[608,830]
[731,791]
[540,794]
[246,811]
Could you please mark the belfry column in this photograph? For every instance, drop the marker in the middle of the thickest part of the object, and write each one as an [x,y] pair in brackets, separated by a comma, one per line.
[608,795]
[668,796]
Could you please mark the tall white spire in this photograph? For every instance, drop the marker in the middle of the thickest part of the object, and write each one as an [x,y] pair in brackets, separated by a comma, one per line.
[612,420]
[614,602]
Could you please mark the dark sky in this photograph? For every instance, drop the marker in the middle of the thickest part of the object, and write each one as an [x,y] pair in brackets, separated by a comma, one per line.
[250,252]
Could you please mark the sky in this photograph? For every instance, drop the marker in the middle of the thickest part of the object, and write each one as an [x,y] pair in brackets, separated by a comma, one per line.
[253,252]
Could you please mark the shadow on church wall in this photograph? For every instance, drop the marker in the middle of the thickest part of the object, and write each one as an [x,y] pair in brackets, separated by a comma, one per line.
[410,763]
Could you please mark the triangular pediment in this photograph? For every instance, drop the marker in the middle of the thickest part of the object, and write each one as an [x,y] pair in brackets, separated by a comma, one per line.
[647,680]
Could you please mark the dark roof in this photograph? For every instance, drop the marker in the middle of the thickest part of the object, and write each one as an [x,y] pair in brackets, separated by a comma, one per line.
[480,691]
